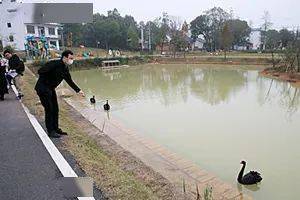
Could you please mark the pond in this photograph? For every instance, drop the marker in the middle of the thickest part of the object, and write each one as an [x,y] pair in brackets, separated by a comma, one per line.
[215,116]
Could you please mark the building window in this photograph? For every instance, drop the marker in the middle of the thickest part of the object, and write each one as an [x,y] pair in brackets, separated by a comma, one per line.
[41,30]
[12,0]
[30,29]
[51,31]
[11,38]
[9,25]
[11,10]
[53,43]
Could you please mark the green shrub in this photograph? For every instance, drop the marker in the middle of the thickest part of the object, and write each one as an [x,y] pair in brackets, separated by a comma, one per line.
[10,48]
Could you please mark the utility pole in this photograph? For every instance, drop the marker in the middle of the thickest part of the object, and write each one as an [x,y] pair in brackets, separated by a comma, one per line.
[142,37]
[149,36]
[62,37]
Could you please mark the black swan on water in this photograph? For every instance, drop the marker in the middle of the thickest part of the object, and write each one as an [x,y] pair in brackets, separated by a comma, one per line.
[106,106]
[93,100]
[250,178]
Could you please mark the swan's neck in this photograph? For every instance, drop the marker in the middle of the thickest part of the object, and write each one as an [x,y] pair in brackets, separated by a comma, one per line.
[241,172]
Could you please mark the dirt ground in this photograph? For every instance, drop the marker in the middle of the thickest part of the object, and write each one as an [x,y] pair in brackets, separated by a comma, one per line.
[293,78]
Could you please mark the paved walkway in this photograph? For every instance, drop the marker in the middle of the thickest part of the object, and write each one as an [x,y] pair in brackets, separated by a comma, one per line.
[26,170]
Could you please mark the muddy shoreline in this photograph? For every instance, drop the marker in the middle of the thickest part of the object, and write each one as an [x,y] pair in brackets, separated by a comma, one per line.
[292,78]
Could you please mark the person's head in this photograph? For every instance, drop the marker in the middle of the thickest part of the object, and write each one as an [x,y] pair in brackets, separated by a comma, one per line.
[7,54]
[67,57]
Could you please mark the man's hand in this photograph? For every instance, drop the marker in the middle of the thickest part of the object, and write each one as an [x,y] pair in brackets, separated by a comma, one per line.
[81,93]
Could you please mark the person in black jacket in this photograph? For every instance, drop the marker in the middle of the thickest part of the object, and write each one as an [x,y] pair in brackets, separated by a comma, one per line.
[16,64]
[3,82]
[50,76]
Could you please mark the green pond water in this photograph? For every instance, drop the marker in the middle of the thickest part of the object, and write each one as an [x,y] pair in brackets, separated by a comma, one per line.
[215,116]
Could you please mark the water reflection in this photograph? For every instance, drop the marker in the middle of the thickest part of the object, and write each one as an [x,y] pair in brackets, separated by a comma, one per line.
[216,86]
[172,84]
[281,93]
[252,188]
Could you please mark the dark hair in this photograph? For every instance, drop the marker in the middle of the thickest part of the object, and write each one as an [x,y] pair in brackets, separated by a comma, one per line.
[6,51]
[66,53]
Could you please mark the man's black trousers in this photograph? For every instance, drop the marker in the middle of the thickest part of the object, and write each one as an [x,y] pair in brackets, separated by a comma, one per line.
[49,101]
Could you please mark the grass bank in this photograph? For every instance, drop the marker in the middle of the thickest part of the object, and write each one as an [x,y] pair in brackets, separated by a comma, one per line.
[215,60]
[90,63]
[117,173]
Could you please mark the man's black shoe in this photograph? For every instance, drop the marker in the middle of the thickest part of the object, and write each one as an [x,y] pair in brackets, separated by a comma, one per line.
[20,95]
[61,132]
[53,134]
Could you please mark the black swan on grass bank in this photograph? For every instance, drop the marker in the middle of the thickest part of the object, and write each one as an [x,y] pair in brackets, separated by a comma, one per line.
[250,178]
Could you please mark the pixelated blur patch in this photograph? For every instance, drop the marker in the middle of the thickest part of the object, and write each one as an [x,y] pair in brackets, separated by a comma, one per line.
[62,12]
[76,186]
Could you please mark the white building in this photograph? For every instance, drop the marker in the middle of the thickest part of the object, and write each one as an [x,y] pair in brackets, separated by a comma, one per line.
[254,41]
[16,24]
[198,44]
[255,38]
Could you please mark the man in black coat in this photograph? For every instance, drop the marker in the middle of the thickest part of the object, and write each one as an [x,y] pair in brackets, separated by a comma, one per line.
[3,82]
[50,76]
[15,63]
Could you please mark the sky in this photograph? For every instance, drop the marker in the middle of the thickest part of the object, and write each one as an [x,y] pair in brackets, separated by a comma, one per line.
[283,13]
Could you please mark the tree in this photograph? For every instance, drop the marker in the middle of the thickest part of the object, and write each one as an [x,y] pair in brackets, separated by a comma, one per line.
[240,31]
[108,31]
[291,54]
[265,27]
[155,36]
[162,23]
[178,40]
[185,27]
[76,30]
[272,42]
[111,31]
[133,38]
[113,13]
[209,25]
[217,17]
[226,38]
[286,37]
[272,39]
[297,49]
[201,26]
[178,43]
